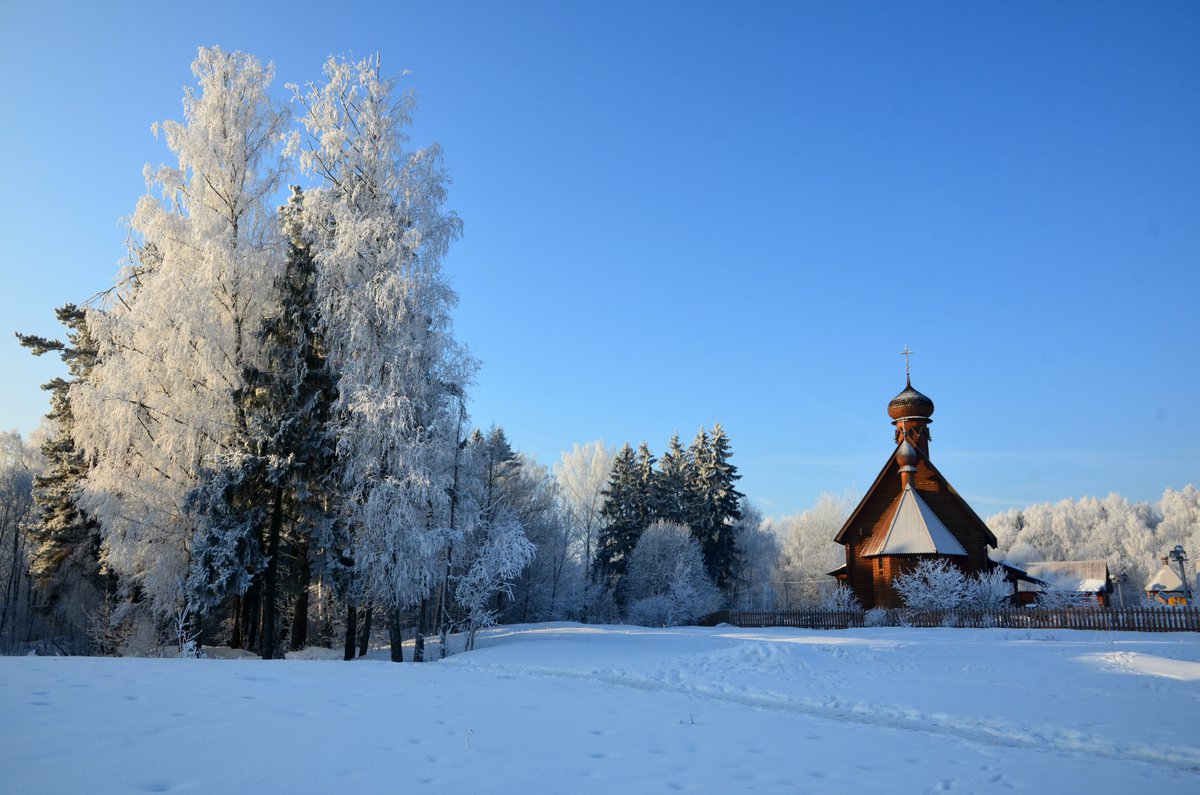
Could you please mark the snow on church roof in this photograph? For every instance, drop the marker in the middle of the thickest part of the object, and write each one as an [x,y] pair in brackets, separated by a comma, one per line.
[915,530]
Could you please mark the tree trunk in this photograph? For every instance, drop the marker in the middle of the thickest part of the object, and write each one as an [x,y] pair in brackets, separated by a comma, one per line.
[270,641]
[251,608]
[299,633]
[364,636]
[351,629]
[422,631]
[235,631]
[395,634]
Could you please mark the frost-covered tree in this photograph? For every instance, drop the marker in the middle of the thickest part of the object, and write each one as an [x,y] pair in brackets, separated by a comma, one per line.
[19,464]
[667,583]
[174,340]
[1129,537]
[501,491]
[580,476]
[379,234]
[1180,521]
[503,552]
[808,552]
[757,555]
[551,588]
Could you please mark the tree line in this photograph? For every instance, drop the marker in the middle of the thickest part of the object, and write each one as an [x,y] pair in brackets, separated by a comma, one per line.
[690,489]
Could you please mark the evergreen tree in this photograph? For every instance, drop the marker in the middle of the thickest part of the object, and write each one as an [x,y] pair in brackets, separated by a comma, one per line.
[646,492]
[66,540]
[714,504]
[671,491]
[623,515]
[282,473]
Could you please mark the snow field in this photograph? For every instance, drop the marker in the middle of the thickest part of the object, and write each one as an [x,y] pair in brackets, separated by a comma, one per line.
[580,709]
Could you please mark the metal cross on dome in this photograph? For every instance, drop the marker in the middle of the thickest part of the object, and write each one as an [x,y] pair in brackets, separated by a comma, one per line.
[906,353]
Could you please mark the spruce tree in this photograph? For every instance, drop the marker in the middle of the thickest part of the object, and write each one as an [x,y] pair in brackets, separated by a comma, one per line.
[671,486]
[622,513]
[646,490]
[281,474]
[714,504]
[66,554]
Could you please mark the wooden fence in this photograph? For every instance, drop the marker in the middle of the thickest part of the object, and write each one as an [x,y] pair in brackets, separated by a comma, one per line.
[1137,619]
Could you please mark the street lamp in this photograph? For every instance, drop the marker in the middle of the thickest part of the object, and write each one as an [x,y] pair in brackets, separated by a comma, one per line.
[1179,557]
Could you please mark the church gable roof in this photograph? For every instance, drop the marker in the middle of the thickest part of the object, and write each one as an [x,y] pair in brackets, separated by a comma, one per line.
[942,505]
[914,530]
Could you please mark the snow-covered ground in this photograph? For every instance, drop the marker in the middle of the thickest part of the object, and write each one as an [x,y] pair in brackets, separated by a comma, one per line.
[566,708]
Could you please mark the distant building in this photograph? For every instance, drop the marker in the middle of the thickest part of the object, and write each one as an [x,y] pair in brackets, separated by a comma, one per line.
[1166,586]
[909,513]
[1085,576]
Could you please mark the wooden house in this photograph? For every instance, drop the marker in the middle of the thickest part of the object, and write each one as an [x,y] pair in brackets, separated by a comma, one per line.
[909,513]
[1090,577]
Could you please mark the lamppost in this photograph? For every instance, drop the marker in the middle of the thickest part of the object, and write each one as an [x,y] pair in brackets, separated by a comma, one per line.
[1120,579]
[1177,555]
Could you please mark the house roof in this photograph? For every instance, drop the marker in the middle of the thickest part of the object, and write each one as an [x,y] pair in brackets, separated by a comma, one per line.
[1090,576]
[950,494]
[914,530]
[1165,579]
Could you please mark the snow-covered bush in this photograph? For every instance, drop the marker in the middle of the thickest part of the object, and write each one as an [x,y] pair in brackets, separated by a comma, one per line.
[988,590]
[1061,592]
[935,584]
[653,611]
[878,617]
[840,598]
[666,579]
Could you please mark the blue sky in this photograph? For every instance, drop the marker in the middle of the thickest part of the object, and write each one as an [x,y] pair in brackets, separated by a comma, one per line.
[685,213]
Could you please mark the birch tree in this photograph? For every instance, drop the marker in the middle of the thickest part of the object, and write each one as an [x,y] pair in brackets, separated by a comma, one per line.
[380,234]
[176,335]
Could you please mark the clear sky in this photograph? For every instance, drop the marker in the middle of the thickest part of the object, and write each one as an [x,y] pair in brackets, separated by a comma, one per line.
[682,213]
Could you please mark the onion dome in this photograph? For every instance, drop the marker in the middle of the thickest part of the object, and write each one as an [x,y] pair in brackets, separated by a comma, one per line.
[906,455]
[910,403]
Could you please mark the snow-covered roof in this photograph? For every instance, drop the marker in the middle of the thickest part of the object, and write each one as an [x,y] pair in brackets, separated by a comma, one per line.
[1165,579]
[915,530]
[1089,576]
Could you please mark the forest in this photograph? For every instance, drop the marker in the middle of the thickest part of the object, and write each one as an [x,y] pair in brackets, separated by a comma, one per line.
[262,439]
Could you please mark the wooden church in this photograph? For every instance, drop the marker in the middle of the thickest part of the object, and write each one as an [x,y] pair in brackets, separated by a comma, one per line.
[909,513]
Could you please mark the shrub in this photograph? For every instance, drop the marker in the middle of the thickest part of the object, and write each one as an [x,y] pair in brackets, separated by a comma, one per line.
[935,584]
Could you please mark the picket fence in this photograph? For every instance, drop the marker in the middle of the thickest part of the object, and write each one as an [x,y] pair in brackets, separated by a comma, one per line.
[1137,619]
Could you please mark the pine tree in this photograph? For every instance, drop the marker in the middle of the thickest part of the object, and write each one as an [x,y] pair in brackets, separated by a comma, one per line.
[66,554]
[714,504]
